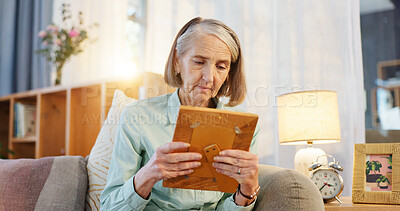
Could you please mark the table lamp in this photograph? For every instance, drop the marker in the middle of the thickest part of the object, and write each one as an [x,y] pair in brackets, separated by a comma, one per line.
[305,118]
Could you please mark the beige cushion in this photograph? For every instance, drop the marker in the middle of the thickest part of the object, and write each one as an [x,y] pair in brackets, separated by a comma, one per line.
[100,156]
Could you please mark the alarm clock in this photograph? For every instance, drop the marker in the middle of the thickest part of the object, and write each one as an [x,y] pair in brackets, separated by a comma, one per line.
[327,179]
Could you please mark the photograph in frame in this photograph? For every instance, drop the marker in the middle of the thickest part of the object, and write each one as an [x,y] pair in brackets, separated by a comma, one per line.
[376,175]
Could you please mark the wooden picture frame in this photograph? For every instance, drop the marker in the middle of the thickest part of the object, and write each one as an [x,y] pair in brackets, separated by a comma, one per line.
[207,130]
[361,193]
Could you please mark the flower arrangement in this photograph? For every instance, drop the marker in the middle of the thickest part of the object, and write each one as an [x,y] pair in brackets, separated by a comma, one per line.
[61,43]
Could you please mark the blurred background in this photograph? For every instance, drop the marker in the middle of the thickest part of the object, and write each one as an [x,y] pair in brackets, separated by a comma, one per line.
[288,45]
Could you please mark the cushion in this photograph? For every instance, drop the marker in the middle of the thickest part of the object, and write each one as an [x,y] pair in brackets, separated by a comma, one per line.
[286,189]
[50,183]
[100,156]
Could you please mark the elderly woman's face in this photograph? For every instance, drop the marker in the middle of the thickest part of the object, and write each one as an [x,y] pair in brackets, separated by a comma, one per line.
[203,69]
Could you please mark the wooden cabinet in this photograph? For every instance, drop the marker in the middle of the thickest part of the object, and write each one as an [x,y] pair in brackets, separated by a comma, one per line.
[68,118]
[388,79]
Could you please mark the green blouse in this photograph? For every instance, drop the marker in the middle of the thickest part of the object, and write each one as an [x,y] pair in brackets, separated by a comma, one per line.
[144,126]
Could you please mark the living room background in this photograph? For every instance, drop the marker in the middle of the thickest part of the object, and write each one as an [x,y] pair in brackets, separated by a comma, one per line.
[288,46]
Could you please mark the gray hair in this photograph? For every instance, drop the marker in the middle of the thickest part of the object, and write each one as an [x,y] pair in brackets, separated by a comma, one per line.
[234,86]
[207,26]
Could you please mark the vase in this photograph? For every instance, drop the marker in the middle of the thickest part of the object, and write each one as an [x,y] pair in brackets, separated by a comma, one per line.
[57,74]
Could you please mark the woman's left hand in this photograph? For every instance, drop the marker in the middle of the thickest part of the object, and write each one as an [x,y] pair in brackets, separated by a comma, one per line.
[240,165]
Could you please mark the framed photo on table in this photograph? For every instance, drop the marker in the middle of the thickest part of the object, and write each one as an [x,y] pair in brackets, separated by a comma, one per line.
[376,173]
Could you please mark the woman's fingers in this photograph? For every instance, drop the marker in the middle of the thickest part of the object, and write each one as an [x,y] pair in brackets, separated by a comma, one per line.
[181,166]
[182,157]
[228,167]
[237,164]
[235,169]
[169,163]
[173,174]
[233,161]
[237,158]
[240,154]
[173,146]
[230,174]
[167,153]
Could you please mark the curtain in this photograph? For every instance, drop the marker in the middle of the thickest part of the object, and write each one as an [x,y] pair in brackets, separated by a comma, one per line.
[103,55]
[20,22]
[288,45]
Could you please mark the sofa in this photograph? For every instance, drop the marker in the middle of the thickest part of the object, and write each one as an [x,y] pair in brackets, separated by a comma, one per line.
[60,183]
[75,183]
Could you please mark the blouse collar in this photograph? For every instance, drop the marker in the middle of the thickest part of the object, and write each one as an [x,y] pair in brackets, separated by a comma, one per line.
[174,103]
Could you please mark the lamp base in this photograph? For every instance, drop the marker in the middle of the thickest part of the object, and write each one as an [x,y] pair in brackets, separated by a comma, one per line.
[305,157]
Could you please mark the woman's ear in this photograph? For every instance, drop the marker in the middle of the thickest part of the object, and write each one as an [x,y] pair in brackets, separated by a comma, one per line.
[176,64]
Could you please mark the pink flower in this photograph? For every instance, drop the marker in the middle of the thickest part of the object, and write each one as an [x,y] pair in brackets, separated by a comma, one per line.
[58,42]
[42,34]
[52,28]
[55,29]
[45,43]
[73,33]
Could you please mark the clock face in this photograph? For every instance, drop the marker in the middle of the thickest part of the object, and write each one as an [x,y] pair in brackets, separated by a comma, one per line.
[329,183]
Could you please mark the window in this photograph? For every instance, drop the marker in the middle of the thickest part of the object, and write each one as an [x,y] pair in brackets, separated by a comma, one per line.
[135,33]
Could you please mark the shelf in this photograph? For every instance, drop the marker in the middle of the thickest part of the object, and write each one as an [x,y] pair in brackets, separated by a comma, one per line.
[29,139]
[23,150]
[85,119]
[388,69]
[388,79]
[52,124]
[68,118]
[4,126]
[26,99]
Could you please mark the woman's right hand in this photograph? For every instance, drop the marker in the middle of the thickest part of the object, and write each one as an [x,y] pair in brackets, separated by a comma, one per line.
[165,163]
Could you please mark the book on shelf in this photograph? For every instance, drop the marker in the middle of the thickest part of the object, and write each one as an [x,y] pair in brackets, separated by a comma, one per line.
[24,120]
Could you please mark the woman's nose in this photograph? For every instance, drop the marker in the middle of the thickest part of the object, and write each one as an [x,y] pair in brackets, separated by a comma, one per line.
[208,74]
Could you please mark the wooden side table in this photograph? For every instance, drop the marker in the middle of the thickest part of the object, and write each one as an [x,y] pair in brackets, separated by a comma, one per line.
[349,206]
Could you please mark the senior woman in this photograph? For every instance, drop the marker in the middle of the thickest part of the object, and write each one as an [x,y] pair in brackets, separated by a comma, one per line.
[205,63]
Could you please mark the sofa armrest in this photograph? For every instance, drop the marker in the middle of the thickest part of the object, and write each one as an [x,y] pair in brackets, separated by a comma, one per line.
[285,189]
[50,183]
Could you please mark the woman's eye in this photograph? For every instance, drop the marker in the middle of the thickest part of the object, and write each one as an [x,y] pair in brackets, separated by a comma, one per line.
[221,67]
[198,62]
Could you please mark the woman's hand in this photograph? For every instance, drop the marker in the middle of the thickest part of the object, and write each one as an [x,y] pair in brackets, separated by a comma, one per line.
[242,166]
[165,163]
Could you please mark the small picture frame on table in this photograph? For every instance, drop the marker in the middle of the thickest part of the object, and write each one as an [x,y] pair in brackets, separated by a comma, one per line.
[376,173]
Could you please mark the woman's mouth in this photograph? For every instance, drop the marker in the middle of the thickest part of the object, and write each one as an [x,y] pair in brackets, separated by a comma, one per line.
[204,88]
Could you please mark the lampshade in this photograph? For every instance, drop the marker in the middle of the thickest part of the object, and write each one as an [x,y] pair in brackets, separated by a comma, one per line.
[308,116]
[305,118]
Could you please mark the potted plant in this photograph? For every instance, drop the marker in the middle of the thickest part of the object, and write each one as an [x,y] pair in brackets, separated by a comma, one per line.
[389,174]
[383,182]
[374,166]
